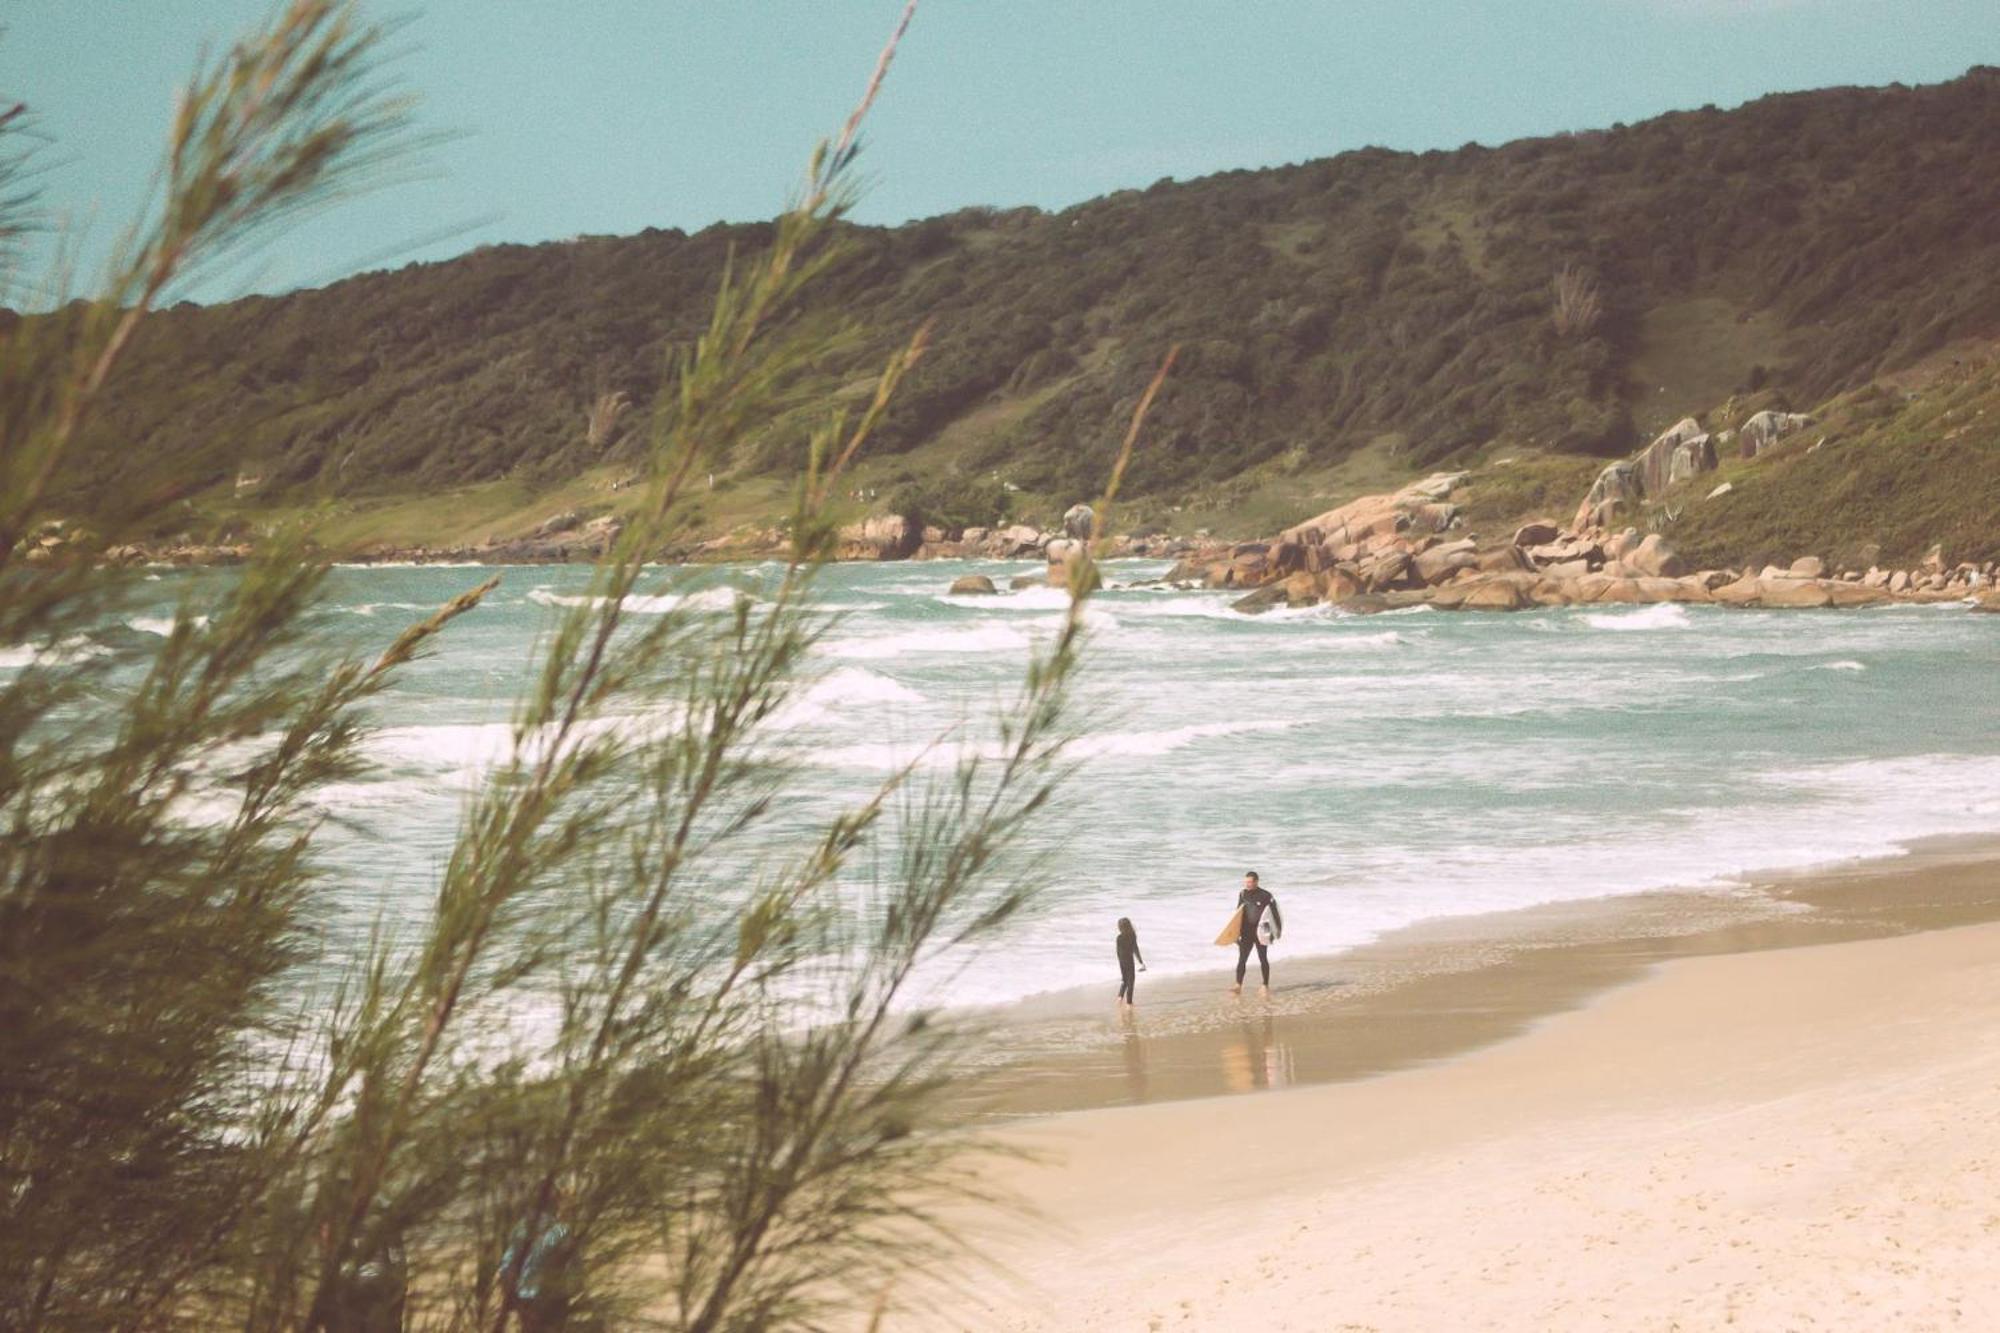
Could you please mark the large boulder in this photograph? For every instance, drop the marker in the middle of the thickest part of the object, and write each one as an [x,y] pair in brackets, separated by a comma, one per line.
[1855,594]
[1654,463]
[1440,562]
[1809,567]
[1618,484]
[886,537]
[1539,533]
[1261,600]
[1766,429]
[1504,560]
[1654,558]
[1746,591]
[1064,549]
[1620,544]
[1018,540]
[1340,583]
[1417,504]
[1385,570]
[1796,593]
[1691,458]
[1494,595]
[969,585]
[1078,520]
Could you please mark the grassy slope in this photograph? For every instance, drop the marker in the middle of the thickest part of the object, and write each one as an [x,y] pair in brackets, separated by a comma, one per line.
[1894,476]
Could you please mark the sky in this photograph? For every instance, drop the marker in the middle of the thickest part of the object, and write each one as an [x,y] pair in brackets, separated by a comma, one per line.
[560,118]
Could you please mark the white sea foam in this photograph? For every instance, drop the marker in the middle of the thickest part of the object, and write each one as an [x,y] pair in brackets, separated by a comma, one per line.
[1838,666]
[1387,638]
[654,604]
[370,608]
[160,625]
[65,652]
[970,639]
[1203,608]
[1146,744]
[850,691]
[1025,599]
[1663,615]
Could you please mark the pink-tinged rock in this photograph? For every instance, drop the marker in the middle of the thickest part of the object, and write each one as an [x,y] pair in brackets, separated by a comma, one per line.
[1747,591]
[1539,533]
[1855,594]
[1495,595]
[1795,592]
[1653,557]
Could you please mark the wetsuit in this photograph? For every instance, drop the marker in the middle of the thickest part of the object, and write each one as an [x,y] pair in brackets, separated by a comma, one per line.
[1255,902]
[1128,954]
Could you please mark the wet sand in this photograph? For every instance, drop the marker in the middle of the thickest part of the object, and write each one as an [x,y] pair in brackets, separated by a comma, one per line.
[1774,1109]
[1443,987]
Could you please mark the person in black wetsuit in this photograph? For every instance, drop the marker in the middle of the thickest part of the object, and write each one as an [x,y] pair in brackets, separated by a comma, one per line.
[1128,954]
[1255,900]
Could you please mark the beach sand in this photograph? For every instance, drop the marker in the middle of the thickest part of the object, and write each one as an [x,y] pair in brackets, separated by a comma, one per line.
[1738,1127]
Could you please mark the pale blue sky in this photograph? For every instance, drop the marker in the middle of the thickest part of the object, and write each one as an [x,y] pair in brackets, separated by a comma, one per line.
[606,116]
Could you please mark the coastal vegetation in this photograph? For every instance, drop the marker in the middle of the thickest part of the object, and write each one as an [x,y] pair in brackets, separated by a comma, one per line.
[654,1047]
[1377,310]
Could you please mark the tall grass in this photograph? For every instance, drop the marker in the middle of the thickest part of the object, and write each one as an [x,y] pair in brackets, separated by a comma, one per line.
[650,1059]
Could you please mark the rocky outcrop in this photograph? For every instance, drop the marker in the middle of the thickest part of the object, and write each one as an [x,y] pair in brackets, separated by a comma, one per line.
[1766,428]
[1681,452]
[1616,490]
[1652,557]
[1677,451]
[969,585]
[1419,507]
[888,537]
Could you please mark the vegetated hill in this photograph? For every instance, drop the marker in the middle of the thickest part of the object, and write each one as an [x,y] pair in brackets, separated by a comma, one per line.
[1885,474]
[1393,302]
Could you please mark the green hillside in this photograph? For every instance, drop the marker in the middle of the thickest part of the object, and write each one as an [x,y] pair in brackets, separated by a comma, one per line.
[1344,322]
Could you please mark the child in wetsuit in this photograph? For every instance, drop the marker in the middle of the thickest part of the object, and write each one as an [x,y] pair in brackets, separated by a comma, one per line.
[1128,954]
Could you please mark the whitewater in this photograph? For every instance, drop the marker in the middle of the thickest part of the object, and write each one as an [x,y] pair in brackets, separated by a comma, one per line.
[1376,771]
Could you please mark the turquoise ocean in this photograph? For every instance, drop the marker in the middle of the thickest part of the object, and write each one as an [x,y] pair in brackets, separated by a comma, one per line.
[1377,771]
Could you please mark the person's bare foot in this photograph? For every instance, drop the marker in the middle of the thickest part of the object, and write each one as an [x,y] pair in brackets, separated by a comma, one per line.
[1264,992]
[1237,989]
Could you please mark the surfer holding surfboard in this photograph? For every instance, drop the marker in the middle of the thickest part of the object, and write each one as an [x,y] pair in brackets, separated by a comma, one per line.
[1256,924]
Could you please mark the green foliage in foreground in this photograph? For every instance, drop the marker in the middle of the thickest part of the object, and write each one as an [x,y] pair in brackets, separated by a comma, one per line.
[1807,242]
[647,1061]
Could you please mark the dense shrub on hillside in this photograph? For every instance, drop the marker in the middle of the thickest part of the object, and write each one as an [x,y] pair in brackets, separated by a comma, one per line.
[1321,305]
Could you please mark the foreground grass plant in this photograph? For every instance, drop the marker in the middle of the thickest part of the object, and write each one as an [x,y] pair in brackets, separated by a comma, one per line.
[647,1061]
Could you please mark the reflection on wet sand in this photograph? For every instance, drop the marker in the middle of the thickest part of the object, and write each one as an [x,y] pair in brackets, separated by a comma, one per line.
[1430,992]
[1253,1058]
[1135,1058]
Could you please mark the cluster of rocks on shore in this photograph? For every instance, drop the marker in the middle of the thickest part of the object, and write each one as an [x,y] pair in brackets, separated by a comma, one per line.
[894,537]
[1404,549]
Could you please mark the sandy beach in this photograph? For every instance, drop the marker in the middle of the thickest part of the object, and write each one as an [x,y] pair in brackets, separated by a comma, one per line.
[1741,1128]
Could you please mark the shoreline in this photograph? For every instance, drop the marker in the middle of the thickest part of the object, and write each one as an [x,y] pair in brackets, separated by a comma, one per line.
[1442,987]
[1763,1126]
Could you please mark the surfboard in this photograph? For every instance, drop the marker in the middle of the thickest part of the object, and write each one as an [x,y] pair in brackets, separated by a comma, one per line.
[1233,929]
